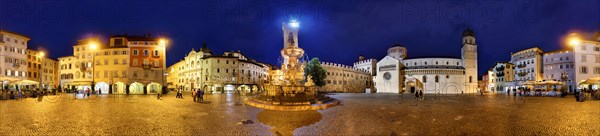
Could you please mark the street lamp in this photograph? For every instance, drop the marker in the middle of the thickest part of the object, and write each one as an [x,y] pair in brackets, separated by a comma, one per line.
[41,56]
[162,42]
[93,47]
[574,40]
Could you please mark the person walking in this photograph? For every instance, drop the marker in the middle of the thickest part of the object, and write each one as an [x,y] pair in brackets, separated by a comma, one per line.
[194,95]
[201,95]
[417,95]
[87,92]
[180,94]
[157,94]
[198,95]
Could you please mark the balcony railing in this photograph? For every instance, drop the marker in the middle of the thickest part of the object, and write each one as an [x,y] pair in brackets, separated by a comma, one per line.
[522,74]
[521,65]
[501,68]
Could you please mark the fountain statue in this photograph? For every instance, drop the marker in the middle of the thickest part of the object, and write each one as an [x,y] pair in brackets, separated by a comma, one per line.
[290,91]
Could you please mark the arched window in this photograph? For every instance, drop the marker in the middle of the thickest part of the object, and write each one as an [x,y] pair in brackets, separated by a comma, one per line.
[425,62]
[437,78]
[470,79]
[218,70]
[424,79]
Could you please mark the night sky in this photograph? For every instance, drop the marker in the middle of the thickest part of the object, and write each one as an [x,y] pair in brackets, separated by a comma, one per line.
[333,31]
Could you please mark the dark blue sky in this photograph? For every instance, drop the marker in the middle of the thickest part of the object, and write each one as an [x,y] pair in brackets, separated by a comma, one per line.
[334,31]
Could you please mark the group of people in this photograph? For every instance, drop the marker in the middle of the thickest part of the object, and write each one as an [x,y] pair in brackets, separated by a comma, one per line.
[198,95]
[419,95]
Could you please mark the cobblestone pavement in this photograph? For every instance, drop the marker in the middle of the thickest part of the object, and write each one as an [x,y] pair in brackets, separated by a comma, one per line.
[359,114]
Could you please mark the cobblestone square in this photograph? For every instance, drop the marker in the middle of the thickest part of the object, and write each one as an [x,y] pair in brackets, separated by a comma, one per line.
[359,114]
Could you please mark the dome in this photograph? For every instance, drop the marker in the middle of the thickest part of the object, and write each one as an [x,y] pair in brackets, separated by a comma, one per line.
[204,48]
[468,32]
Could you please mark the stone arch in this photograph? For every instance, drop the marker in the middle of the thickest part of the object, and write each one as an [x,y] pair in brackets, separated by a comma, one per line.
[119,88]
[136,88]
[154,88]
[101,87]
[229,88]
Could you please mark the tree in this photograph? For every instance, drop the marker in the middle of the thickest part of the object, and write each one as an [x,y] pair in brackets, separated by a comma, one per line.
[314,69]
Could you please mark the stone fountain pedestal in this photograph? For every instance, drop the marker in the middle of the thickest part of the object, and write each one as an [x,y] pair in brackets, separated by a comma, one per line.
[291,98]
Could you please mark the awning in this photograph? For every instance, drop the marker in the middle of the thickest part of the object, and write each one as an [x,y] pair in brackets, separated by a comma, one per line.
[595,80]
[27,82]
[550,83]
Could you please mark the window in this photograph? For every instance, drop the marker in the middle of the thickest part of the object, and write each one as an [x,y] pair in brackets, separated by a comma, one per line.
[146,52]
[124,61]
[583,70]
[155,52]
[437,79]
[583,47]
[597,70]
[115,52]
[124,52]
[156,63]
[583,58]
[470,79]
[424,79]
[135,52]
[135,62]
[116,61]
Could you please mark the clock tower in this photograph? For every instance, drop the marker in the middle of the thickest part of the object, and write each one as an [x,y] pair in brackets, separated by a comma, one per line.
[469,58]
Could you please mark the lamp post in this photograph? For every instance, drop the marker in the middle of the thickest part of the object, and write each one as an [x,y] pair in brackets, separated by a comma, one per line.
[41,56]
[93,47]
[163,44]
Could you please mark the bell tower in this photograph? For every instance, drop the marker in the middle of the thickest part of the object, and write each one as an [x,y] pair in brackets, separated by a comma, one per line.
[469,58]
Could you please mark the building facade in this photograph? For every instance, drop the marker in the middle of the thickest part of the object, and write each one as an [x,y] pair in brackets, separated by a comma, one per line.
[346,79]
[13,60]
[559,67]
[528,64]
[440,75]
[501,77]
[231,72]
[126,65]
[587,63]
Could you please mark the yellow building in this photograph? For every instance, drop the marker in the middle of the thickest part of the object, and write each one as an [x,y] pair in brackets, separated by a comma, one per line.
[126,65]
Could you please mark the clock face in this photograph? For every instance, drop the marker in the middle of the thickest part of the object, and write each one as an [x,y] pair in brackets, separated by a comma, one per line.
[387,76]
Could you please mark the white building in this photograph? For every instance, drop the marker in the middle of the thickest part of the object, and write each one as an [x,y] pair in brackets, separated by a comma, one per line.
[397,74]
[230,72]
[528,64]
[13,64]
[587,62]
[559,66]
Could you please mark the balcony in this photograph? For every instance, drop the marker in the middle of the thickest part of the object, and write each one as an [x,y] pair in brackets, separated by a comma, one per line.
[146,66]
[501,68]
[521,65]
[522,74]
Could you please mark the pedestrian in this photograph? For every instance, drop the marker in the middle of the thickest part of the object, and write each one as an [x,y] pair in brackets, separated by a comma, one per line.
[180,93]
[201,95]
[417,95]
[421,95]
[157,94]
[87,92]
[20,94]
[194,95]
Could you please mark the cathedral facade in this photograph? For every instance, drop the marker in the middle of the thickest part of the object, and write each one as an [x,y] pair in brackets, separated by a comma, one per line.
[396,73]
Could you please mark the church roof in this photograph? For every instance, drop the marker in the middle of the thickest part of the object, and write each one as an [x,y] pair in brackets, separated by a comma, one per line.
[433,67]
[205,49]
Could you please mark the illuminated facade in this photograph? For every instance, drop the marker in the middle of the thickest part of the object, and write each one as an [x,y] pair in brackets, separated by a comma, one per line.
[439,75]
[127,65]
[13,60]
[231,72]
